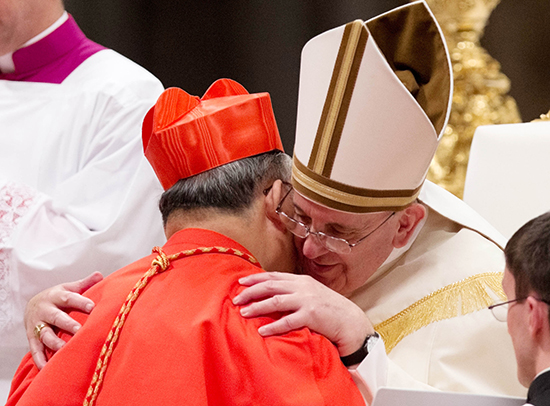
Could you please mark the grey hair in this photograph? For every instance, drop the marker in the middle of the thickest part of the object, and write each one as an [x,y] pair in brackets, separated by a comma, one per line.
[231,187]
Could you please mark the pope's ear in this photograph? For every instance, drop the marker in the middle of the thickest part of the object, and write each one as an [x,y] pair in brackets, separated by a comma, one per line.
[408,219]
[273,197]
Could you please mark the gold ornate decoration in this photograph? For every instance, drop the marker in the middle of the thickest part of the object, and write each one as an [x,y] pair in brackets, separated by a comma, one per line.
[479,88]
[543,117]
[459,298]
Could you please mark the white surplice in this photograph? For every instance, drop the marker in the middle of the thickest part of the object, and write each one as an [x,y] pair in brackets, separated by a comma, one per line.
[454,255]
[76,193]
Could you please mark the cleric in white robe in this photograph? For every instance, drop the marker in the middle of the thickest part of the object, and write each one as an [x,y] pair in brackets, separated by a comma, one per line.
[76,195]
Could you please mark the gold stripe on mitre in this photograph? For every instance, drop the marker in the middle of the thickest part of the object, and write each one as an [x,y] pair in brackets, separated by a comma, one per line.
[337,101]
[348,198]
[456,299]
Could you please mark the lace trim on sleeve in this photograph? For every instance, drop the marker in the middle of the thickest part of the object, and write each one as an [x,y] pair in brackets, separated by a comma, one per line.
[15,201]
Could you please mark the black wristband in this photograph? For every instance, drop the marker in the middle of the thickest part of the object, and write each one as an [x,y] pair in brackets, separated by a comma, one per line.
[360,354]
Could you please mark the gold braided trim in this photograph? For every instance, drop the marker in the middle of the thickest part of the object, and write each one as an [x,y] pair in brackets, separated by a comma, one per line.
[158,265]
[456,299]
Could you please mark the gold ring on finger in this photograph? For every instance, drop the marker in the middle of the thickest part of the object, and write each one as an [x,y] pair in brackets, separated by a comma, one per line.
[38,329]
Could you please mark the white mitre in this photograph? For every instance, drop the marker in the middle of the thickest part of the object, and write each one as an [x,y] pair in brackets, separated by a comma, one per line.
[374,99]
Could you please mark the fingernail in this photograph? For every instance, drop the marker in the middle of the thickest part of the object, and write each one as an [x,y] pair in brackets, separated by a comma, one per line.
[75,329]
[89,307]
[262,330]
[237,300]
[245,311]
[241,280]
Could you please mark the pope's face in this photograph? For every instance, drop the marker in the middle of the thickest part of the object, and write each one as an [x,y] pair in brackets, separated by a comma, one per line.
[518,328]
[342,272]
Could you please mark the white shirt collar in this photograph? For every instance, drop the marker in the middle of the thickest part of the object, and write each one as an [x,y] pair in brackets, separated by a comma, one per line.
[6,63]
[542,372]
[6,60]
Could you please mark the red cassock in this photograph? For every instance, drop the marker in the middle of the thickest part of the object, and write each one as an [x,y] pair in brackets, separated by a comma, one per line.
[185,343]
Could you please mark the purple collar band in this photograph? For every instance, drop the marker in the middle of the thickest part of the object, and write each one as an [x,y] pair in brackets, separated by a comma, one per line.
[54,57]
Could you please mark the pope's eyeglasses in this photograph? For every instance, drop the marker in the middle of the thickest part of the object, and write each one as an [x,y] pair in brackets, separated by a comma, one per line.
[334,244]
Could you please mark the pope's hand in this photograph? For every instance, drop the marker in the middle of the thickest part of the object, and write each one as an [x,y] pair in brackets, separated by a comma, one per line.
[308,303]
[49,307]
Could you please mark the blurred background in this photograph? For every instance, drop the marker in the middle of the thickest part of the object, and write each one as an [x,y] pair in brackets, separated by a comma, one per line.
[190,44]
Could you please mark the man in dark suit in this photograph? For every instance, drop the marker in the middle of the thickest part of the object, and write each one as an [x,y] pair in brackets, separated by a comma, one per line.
[527,285]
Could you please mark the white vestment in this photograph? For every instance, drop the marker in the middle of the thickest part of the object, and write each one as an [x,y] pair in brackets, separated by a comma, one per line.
[429,305]
[76,193]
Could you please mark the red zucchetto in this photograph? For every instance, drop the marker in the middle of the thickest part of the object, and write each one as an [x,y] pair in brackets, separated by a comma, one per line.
[184,135]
